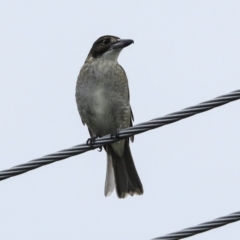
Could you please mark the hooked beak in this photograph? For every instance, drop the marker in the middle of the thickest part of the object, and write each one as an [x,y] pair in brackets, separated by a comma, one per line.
[122,43]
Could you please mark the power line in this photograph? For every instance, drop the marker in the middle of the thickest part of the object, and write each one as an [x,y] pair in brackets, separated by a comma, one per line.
[188,232]
[139,128]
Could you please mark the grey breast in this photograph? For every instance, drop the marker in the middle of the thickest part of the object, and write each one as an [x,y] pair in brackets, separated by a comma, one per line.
[102,97]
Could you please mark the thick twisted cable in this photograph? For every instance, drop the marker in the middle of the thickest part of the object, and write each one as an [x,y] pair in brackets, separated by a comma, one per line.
[188,232]
[143,127]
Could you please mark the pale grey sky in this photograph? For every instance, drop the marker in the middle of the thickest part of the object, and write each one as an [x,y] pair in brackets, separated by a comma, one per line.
[185,52]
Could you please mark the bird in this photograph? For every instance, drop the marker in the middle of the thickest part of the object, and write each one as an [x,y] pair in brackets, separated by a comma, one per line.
[102,96]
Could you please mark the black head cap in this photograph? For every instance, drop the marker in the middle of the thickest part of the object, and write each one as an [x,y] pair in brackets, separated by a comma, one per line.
[107,43]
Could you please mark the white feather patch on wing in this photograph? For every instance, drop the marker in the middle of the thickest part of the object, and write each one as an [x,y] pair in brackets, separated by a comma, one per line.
[110,179]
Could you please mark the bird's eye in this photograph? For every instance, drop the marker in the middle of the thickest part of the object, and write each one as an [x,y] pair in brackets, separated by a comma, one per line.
[106,41]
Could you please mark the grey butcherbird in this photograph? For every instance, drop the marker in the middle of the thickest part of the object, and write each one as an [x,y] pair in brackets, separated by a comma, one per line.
[102,97]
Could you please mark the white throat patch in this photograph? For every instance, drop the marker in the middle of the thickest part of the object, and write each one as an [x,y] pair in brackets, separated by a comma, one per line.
[111,55]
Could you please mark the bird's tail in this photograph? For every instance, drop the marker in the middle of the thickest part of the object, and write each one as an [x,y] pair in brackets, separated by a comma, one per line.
[121,172]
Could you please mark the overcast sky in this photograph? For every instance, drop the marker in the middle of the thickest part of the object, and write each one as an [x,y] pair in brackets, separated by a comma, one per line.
[185,52]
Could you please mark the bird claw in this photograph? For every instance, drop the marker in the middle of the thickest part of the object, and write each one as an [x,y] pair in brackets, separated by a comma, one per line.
[91,141]
[99,149]
[115,135]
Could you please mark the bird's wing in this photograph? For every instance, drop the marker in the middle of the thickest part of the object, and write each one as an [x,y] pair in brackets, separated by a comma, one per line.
[132,117]
[131,123]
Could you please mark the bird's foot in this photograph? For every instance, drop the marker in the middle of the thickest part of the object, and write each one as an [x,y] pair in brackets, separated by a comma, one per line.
[115,135]
[91,141]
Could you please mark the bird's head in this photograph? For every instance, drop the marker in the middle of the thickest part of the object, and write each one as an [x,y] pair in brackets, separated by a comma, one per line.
[108,47]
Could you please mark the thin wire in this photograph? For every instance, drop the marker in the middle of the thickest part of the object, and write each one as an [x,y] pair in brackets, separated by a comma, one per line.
[143,127]
[202,227]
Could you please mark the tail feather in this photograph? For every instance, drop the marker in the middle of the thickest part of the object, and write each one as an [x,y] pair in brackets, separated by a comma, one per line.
[127,180]
[110,179]
[133,177]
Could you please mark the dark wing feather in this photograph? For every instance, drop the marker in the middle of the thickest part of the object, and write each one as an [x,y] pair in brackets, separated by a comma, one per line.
[132,117]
